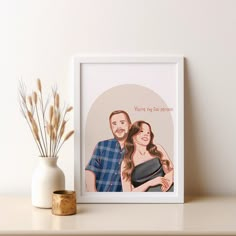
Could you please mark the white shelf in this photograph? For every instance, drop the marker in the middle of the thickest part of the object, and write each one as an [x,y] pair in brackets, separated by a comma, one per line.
[198,216]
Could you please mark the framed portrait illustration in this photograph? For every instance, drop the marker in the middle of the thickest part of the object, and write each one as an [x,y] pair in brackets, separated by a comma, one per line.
[129,129]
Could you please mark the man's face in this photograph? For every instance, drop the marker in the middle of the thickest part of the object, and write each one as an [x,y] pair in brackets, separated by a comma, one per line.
[119,126]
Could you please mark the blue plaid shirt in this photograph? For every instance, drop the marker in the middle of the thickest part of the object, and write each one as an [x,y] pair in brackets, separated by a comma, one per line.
[105,163]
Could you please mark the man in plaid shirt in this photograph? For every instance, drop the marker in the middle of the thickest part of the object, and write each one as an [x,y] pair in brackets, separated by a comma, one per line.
[103,170]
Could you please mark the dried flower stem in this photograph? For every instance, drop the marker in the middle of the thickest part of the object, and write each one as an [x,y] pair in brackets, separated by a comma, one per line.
[35,132]
[62,127]
[39,85]
[25,112]
[44,131]
[50,129]
[40,128]
[66,138]
[43,113]
[39,147]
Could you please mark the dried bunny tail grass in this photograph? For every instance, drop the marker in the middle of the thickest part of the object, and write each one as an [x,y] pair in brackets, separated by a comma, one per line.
[30,116]
[50,114]
[54,135]
[51,129]
[68,135]
[39,85]
[57,101]
[56,123]
[34,125]
[36,135]
[62,130]
[35,98]
[65,139]
[51,132]
[69,109]
[58,117]
[35,129]
[54,120]
[30,101]
[48,128]
[53,116]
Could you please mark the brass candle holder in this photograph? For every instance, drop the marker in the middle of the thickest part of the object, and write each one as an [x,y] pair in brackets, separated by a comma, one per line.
[63,203]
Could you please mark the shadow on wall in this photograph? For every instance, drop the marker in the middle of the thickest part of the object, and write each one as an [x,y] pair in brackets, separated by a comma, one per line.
[193,178]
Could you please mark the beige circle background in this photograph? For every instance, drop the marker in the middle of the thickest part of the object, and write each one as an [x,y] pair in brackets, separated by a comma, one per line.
[127,97]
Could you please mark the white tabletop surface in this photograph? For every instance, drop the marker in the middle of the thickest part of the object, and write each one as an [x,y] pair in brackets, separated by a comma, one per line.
[198,216]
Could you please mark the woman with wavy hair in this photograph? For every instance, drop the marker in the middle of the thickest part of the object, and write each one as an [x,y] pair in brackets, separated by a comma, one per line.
[146,166]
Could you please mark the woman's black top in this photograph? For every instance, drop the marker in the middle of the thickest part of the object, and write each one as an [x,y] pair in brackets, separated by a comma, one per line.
[146,171]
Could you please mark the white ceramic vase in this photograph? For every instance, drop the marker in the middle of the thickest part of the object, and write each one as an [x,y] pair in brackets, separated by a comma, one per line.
[46,179]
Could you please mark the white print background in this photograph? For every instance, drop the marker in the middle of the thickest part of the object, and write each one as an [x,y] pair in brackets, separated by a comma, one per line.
[98,78]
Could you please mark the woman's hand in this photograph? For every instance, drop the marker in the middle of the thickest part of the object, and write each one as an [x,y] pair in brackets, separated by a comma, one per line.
[159,181]
[169,177]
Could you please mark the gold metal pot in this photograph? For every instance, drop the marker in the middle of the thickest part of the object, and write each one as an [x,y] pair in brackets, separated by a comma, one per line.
[63,203]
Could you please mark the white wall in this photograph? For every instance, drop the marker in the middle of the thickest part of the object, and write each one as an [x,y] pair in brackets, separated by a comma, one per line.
[39,37]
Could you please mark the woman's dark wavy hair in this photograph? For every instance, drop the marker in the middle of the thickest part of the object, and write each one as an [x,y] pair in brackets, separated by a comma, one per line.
[129,149]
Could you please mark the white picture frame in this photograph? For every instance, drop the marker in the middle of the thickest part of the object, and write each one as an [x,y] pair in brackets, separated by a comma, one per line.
[98,77]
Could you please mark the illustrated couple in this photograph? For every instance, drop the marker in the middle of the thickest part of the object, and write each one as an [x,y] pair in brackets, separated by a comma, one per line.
[129,162]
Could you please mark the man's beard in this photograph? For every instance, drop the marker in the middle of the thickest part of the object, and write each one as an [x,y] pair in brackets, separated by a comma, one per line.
[121,138]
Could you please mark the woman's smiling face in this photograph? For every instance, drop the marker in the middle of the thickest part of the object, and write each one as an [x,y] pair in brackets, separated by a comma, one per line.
[143,136]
